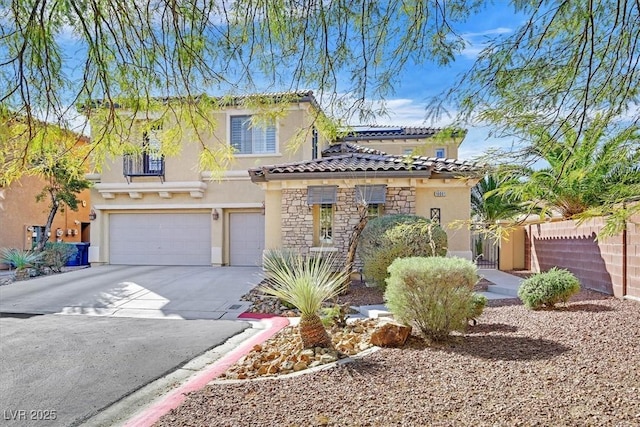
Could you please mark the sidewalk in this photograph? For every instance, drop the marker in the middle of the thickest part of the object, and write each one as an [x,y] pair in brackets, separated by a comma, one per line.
[505,286]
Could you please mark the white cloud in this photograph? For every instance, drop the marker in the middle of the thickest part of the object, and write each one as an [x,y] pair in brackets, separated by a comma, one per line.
[490,32]
[67,34]
[477,41]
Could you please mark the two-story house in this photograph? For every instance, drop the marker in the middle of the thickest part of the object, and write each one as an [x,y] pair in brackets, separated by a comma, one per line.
[154,210]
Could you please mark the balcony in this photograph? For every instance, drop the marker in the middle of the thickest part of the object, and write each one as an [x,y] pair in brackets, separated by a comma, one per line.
[143,165]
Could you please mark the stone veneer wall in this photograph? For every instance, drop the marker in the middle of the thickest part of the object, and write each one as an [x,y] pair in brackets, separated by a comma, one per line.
[297,220]
[297,217]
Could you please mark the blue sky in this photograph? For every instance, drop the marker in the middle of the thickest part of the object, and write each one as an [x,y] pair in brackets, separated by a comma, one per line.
[418,84]
[407,106]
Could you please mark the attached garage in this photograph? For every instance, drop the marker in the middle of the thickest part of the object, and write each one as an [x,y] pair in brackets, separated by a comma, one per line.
[160,238]
[246,239]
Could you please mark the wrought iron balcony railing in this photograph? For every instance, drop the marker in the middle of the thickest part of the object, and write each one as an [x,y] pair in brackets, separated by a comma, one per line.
[143,165]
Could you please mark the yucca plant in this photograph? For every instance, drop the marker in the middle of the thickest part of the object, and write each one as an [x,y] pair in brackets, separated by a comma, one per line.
[305,283]
[20,260]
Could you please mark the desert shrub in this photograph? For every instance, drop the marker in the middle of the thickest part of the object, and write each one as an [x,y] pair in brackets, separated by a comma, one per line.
[396,236]
[56,255]
[478,303]
[306,283]
[334,315]
[18,259]
[435,294]
[278,259]
[547,289]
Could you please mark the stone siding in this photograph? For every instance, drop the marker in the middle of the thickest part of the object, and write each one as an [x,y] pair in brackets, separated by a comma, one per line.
[297,216]
[297,220]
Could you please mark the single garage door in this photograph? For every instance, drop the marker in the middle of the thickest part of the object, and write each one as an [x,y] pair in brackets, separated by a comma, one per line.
[160,239]
[246,232]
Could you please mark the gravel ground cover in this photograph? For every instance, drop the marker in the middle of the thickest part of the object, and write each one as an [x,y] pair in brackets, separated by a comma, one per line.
[574,366]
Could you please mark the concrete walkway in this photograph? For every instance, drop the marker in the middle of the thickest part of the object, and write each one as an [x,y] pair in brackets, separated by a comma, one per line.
[505,286]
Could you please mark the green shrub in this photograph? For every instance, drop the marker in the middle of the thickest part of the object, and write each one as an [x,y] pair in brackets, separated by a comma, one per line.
[306,283]
[18,259]
[278,259]
[56,255]
[435,294]
[547,289]
[478,303]
[397,236]
[334,315]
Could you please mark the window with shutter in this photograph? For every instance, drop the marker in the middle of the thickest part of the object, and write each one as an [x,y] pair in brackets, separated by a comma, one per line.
[250,138]
[325,194]
[371,194]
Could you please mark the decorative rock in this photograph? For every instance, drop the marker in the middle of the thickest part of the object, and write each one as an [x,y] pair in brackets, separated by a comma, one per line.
[315,363]
[286,365]
[390,334]
[300,366]
[328,358]
[307,353]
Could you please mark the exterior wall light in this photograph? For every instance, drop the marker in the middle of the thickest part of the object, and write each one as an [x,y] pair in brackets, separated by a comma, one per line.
[92,215]
[215,215]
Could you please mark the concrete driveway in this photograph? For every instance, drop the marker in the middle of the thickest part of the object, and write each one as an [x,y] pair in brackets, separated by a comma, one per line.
[59,370]
[127,331]
[136,291]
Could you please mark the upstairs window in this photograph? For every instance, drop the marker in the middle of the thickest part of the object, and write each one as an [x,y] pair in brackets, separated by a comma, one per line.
[152,159]
[441,153]
[252,138]
[314,144]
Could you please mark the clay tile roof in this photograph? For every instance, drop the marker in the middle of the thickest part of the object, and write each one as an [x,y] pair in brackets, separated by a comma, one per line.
[350,164]
[349,147]
[364,133]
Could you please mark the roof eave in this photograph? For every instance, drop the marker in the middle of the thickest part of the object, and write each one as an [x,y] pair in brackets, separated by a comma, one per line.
[267,176]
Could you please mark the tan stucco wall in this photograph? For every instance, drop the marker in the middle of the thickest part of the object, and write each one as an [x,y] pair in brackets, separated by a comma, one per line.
[293,144]
[455,210]
[187,189]
[403,195]
[19,210]
[512,250]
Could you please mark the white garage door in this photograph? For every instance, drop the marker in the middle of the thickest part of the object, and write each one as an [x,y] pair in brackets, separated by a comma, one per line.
[160,239]
[246,239]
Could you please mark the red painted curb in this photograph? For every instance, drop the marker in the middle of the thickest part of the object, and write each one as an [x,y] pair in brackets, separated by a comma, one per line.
[174,398]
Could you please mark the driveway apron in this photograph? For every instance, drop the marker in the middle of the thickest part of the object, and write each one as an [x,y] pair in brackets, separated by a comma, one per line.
[136,291]
[129,326]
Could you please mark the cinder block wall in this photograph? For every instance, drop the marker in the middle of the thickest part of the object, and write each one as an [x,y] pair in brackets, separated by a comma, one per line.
[598,263]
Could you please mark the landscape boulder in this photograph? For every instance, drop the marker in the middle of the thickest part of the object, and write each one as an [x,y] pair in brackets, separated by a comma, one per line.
[390,334]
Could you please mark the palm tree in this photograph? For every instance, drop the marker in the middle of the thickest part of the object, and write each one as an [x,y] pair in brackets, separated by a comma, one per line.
[489,205]
[597,170]
[305,283]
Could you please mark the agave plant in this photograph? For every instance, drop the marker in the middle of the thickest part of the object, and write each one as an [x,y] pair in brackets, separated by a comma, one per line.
[305,283]
[20,260]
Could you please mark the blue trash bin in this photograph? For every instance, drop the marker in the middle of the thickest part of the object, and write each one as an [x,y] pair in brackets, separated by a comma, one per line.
[74,260]
[83,250]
